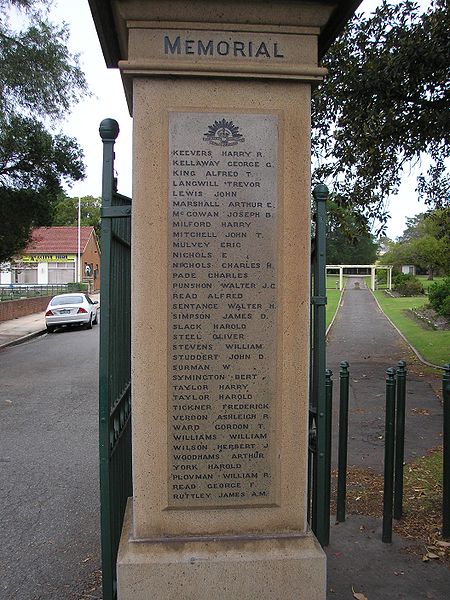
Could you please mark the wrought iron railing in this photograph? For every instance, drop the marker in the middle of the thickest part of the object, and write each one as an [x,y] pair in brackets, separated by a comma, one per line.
[320,395]
[19,290]
[115,362]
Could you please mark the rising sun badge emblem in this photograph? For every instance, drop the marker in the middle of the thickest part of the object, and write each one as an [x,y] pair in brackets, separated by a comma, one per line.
[223,133]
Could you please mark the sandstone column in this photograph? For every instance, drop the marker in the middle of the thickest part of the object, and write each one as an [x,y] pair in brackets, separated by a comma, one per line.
[220,96]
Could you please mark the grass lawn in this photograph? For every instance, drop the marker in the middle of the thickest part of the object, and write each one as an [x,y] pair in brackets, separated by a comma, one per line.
[333,296]
[331,281]
[332,303]
[426,282]
[433,346]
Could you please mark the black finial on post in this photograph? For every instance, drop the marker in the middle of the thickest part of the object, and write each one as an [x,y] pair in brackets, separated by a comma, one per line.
[109,130]
[320,192]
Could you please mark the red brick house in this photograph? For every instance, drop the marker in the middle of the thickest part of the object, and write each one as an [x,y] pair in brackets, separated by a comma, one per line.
[51,257]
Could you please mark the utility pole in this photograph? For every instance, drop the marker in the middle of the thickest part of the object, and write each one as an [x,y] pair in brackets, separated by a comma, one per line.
[79,241]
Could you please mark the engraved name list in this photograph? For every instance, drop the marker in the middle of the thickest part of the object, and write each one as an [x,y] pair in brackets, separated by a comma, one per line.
[222,309]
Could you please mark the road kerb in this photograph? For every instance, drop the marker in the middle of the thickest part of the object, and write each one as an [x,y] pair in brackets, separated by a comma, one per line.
[22,339]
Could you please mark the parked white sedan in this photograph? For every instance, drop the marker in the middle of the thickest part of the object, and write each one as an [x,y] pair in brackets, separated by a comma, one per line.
[71,309]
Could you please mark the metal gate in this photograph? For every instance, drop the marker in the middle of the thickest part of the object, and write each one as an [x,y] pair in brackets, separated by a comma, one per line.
[319,455]
[115,361]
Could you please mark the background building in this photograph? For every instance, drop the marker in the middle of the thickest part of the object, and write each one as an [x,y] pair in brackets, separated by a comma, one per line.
[51,257]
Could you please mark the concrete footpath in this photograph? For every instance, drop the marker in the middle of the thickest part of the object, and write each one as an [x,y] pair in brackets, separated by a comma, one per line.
[21,329]
[357,558]
[26,328]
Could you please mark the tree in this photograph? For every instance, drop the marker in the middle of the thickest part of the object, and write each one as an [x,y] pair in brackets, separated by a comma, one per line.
[341,252]
[425,243]
[40,81]
[412,229]
[66,211]
[384,105]
[349,240]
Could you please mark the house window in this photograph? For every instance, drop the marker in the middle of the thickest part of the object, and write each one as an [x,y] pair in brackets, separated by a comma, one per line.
[61,272]
[25,274]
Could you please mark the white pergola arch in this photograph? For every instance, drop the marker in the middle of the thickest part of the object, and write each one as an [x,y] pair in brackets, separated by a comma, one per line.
[373,270]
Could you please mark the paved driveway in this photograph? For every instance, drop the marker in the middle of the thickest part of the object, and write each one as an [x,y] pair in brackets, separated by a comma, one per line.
[365,338]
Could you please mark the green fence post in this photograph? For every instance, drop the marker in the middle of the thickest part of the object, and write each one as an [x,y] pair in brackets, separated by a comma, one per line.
[320,510]
[328,423]
[109,130]
[389,450]
[446,453]
[399,439]
[343,441]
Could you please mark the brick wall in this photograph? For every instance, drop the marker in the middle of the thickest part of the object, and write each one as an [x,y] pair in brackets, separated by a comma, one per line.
[91,256]
[12,309]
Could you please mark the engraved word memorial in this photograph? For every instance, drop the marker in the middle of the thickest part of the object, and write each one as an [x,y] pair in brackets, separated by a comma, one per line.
[222,309]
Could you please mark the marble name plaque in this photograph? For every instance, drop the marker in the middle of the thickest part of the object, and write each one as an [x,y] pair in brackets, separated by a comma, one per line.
[222,310]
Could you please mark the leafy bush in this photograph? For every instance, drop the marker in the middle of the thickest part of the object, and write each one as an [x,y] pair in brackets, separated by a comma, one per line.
[439,295]
[445,308]
[407,285]
[399,278]
[77,287]
[381,277]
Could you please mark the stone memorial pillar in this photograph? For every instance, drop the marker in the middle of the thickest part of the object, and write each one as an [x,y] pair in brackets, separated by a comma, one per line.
[220,96]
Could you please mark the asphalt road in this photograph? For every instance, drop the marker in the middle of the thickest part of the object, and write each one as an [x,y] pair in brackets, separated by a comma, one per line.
[49,500]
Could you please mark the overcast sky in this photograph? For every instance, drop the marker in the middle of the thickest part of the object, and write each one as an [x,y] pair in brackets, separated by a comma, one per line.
[108,100]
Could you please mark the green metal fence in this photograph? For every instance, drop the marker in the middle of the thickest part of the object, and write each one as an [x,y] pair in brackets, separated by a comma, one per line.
[115,361]
[320,392]
[18,291]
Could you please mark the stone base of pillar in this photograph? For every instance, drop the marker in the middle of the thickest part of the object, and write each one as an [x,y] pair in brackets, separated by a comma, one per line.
[239,568]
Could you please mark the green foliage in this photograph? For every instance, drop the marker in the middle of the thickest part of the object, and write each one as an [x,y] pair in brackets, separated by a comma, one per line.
[383,104]
[35,159]
[349,240]
[77,287]
[445,308]
[407,285]
[381,277]
[439,296]
[20,210]
[23,4]
[66,211]
[399,278]
[425,243]
[427,283]
[54,82]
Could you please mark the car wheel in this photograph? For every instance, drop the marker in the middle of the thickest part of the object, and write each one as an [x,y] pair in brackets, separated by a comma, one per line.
[95,321]
[89,325]
[50,328]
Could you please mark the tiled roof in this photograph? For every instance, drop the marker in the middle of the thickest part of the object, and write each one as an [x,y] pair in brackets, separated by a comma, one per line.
[46,240]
